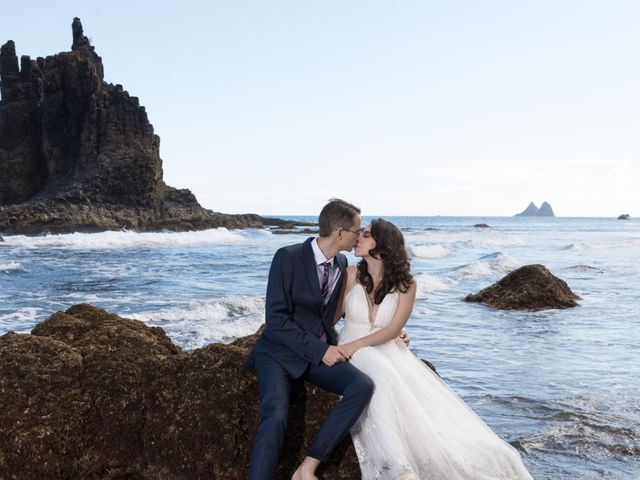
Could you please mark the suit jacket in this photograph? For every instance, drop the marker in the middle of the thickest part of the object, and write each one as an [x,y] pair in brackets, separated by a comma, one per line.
[295,316]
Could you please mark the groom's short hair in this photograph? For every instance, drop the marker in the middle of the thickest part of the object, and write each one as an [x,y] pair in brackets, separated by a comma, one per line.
[335,214]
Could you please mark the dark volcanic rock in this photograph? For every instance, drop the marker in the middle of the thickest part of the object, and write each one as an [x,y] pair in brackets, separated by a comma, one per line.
[531,287]
[91,395]
[481,225]
[624,216]
[77,153]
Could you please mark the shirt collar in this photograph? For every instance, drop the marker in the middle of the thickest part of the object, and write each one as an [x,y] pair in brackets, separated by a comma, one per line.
[320,258]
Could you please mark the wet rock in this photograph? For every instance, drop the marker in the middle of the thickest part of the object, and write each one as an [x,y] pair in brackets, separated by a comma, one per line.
[481,225]
[1,239]
[91,395]
[79,154]
[531,287]
[624,216]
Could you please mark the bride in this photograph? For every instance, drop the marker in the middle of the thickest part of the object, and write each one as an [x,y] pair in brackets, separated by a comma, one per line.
[415,427]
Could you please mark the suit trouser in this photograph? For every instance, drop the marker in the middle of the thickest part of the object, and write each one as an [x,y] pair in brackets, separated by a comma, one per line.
[343,379]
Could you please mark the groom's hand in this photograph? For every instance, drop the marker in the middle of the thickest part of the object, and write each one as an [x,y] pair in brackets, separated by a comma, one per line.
[334,355]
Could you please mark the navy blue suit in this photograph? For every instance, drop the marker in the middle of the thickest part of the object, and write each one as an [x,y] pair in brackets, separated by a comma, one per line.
[291,348]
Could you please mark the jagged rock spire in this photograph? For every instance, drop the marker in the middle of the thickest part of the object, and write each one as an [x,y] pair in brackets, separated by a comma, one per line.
[79,40]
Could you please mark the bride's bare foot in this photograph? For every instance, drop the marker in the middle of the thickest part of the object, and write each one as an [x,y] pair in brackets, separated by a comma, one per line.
[300,475]
[306,470]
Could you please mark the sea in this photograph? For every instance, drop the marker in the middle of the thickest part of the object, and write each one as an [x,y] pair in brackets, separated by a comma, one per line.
[563,386]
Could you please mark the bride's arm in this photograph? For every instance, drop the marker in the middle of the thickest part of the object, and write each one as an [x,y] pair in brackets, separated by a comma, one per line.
[346,286]
[391,331]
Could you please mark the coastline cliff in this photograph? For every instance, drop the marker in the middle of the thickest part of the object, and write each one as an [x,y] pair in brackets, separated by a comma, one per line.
[79,154]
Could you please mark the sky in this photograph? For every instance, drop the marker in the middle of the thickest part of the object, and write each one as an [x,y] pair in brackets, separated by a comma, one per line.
[471,108]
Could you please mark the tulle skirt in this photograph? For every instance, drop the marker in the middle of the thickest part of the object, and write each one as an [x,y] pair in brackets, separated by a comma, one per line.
[416,427]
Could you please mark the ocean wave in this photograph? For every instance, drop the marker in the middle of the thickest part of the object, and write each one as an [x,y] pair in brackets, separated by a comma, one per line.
[9,267]
[577,247]
[584,426]
[495,240]
[477,238]
[199,323]
[430,252]
[125,239]
[426,284]
[21,320]
[488,265]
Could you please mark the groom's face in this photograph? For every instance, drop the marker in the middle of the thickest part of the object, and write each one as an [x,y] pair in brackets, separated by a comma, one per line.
[348,237]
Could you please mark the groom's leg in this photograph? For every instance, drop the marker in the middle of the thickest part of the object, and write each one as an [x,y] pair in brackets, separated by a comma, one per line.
[356,389]
[275,385]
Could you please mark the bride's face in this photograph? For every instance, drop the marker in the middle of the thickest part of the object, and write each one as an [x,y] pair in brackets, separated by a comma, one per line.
[365,243]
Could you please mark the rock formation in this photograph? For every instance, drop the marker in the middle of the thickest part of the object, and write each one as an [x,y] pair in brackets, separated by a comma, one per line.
[532,210]
[624,216]
[78,154]
[91,395]
[545,210]
[531,287]
[481,225]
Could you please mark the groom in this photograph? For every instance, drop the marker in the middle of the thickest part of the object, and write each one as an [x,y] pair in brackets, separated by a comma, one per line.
[299,342]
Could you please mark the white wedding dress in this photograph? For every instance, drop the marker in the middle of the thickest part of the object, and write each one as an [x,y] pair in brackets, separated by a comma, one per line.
[415,426]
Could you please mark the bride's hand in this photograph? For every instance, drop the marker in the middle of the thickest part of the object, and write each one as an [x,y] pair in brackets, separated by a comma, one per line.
[350,348]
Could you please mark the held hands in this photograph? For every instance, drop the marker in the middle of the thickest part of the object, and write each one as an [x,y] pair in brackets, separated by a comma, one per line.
[342,353]
[335,354]
[350,348]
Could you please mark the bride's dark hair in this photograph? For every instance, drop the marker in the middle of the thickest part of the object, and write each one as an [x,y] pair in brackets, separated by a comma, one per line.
[390,249]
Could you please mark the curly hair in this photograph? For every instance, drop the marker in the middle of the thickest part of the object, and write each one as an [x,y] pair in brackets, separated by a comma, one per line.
[390,249]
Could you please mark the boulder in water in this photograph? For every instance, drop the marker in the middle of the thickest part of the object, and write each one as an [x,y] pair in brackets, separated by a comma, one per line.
[531,287]
[624,216]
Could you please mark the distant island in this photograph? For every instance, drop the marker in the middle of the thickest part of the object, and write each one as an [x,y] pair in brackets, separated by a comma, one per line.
[79,154]
[532,210]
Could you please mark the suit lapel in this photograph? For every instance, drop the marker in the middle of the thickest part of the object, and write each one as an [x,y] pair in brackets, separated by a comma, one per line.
[312,270]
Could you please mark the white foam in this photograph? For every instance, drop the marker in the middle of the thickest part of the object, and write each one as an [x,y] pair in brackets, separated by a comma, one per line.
[426,284]
[475,269]
[19,321]
[125,239]
[488,265]
[199,323]
[7,267]
[428,251]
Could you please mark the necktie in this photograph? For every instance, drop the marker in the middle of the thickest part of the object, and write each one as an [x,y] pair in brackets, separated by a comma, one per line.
[324,285]
[324,292]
